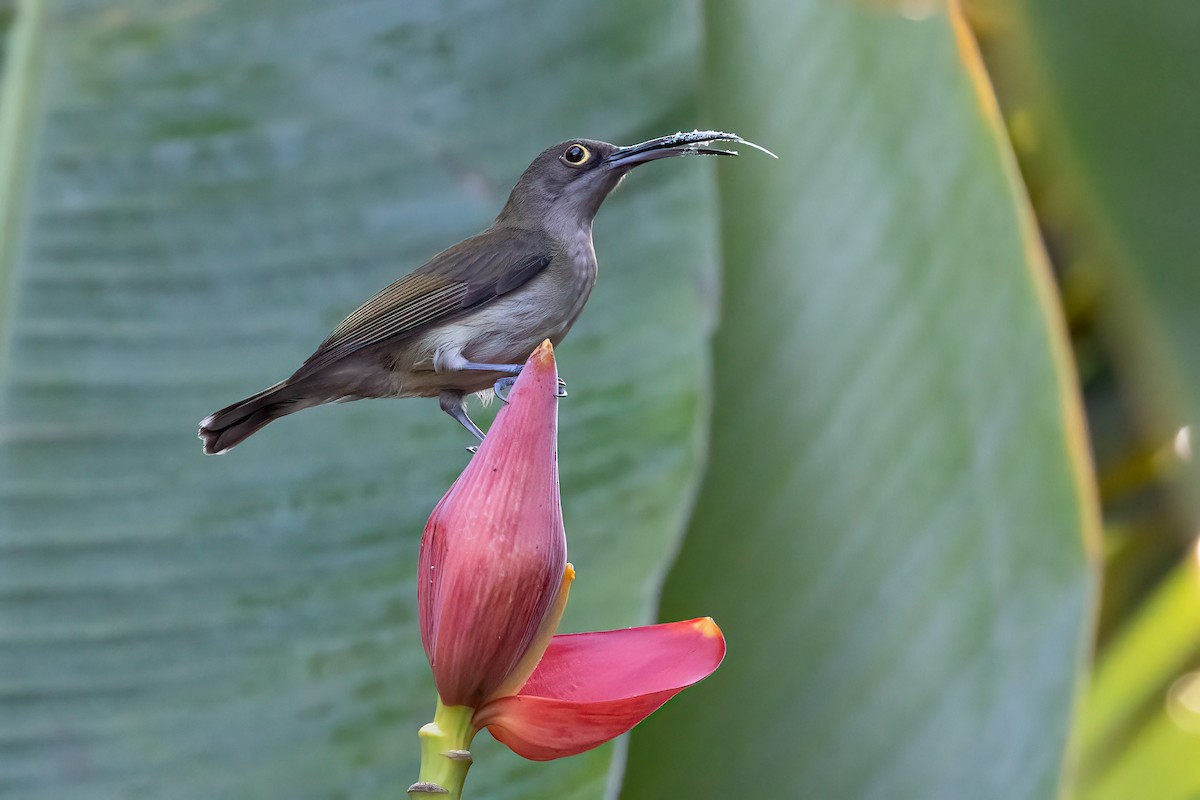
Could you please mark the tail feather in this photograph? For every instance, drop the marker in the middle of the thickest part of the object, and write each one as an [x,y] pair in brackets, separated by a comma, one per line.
[223,429]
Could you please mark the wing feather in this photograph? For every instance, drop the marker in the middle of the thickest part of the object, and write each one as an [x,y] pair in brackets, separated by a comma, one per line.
[472,272]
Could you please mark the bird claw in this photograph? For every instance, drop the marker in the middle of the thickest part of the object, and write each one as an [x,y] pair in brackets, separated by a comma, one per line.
[502,387]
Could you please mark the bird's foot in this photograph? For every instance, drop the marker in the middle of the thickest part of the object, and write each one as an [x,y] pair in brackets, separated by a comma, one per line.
[502,387]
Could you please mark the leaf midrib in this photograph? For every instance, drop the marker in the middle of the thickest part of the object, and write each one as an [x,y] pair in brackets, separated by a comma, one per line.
[18,121]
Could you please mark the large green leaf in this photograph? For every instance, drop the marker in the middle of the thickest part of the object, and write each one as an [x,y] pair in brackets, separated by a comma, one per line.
[213,184]
[892,527]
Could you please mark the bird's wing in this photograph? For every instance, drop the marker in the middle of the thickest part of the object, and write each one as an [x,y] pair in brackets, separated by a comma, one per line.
[469,274]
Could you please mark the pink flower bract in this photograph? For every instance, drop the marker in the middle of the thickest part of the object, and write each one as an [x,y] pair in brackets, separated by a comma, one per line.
[591,687]
[494,551]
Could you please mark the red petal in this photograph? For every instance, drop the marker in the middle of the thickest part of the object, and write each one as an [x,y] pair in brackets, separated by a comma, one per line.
[494,551]
[592,687]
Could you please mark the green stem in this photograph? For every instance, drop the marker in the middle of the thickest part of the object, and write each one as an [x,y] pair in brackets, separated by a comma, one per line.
[445,754]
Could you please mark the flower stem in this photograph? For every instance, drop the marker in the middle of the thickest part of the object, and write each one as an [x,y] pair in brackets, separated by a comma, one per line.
[445,754]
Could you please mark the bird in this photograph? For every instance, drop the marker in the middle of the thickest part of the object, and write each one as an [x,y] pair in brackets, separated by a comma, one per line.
[465,321]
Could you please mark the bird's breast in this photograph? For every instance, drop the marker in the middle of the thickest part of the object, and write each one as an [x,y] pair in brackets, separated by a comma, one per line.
[505,330]
[545,308]
[578,273]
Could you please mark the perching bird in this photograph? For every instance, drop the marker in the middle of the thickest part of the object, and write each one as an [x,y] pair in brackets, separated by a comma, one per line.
[470,316]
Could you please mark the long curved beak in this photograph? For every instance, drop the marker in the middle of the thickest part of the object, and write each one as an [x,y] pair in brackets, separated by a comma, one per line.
[678,144]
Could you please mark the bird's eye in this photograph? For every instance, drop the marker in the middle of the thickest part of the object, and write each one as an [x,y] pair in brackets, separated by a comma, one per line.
[576,154]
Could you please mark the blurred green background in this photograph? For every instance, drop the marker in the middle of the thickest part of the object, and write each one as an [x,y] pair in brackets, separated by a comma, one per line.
[907,411]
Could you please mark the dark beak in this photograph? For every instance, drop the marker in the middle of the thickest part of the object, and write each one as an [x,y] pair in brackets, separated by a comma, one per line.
[677,144]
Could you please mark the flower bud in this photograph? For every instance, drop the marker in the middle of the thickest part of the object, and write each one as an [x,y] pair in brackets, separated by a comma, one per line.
[494,553]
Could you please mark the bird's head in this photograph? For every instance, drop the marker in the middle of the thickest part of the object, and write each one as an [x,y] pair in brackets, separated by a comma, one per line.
[570,180]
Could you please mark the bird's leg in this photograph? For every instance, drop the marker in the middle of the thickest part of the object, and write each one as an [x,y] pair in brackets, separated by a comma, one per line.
[455,404]
[501,386]
[511,369]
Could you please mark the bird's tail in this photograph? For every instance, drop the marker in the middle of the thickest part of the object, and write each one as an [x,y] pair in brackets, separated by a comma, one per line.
[223,429]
